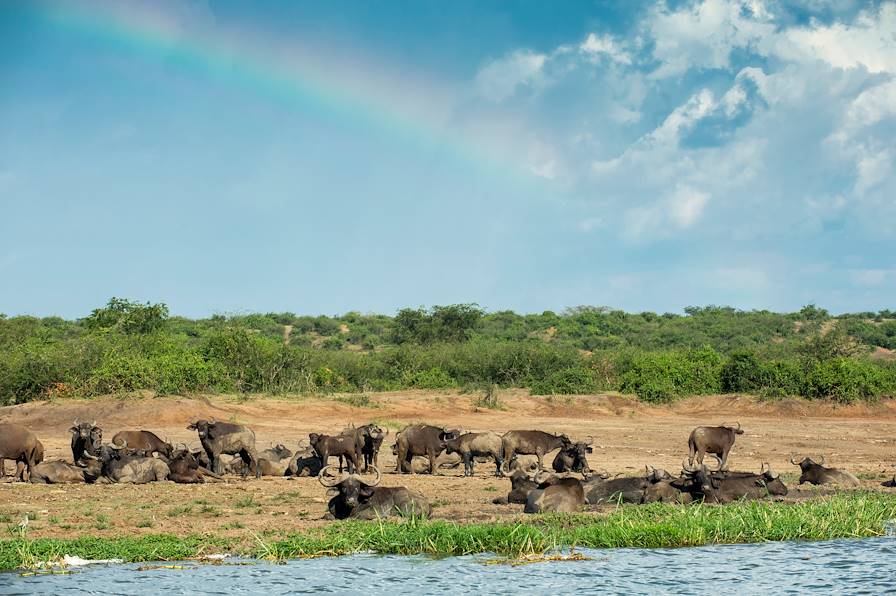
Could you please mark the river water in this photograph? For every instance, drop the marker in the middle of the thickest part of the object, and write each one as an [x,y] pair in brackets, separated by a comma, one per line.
[839,566]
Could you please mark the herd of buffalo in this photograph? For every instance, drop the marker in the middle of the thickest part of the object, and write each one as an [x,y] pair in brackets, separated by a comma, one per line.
[140,456]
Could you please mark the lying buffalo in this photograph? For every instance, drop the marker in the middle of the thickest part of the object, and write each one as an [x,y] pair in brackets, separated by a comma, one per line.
[712,439]
[574,458]
[20,445]
[556,495]
[420,439]
[143,440]
[471,445]
[719,486]
[602,489]
[278,452]
[815,473]
[60,472]
[268,467]
[305,462]
[184,468]
[521,484]
[224,437]
[532,442]
[131,469]
[352,498]
[86,440]
[663,488]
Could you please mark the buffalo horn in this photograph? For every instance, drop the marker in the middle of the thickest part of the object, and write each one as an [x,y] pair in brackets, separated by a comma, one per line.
[324,474]
[793,461]
[823,460]
[718,459]
[687,467]
[770,472]
[376,480]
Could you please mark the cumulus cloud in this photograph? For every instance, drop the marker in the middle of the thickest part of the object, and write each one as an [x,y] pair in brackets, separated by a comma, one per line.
[604,45]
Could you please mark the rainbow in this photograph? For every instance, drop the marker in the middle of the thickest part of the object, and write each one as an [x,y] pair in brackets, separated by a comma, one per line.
[403,109]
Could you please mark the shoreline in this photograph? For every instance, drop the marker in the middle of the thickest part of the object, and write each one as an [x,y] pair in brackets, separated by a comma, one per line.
[841,515]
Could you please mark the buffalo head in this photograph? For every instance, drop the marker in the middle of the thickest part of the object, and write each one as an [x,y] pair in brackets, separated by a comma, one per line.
[349,486]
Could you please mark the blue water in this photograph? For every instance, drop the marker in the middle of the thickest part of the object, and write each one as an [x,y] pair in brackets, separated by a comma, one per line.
[835,567]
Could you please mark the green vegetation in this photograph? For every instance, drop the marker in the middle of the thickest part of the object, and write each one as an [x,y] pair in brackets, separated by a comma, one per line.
[846,515]
[128,346]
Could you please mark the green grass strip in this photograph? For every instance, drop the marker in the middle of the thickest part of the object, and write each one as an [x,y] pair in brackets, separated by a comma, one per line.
[852,515]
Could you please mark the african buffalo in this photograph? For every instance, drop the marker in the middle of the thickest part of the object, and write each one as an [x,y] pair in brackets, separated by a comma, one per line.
[532,442]
[602,489]
[815,473]
[60,472]
[712,439]
[184,468]
[574,457]
[720,486]
[470,445]
[131,469]
[352,498]
[142,440]
[86,440]
[556,495]
[20,445]
[328,446]
[420,439]
[305,462]
[268,467]
[224,437]
[521,484]
[276,453]
[368,440]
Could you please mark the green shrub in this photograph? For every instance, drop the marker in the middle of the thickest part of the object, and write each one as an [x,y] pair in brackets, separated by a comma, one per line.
[845,380]
[568,381]
[433,378]
[121,373]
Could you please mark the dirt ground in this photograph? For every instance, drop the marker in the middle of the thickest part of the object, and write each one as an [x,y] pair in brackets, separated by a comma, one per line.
[627,435]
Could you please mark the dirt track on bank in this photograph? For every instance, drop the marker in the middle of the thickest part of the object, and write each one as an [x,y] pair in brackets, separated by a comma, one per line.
[627,435]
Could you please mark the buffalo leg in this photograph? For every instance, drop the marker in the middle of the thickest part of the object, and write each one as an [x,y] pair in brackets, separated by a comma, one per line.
[540,457]
[692,450]
[432,462]
[700,454]
[724,464]
[468,464]
[499,463]
[2,468]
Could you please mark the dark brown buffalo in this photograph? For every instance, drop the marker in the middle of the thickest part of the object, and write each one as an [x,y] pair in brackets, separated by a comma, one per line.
[521,484]
[471,445]
[87,438]
[532,442]
[328,446]
[224,437]
[719,486]
[574,458]
[556,495]
[368,440]
[305,462]
[20,445]
[712,439]
[184,468]
[616,490]
[142,440]
[268,467]
[353,498]
[817,473]
[60,472]
[131,469]
[420,439]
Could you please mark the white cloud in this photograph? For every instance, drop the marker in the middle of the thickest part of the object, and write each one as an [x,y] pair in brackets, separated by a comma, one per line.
[873,167]
[499,79]
[870,277]
[678,211]
[595,46]
[686,206]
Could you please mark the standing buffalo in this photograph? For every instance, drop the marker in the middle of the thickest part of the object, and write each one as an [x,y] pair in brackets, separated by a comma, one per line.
[224,437]
[470,445]
[131,469]
[420,439]
[20,445]
[142,440]
[368,440]
[328,446]
[60,472]
[712,439]
[86,440]
[815,473]
[532,442]
[355,499]
[574,458]
[556,495]
[719,486]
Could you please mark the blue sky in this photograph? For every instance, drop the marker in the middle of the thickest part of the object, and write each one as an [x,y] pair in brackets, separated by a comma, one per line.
[320,157]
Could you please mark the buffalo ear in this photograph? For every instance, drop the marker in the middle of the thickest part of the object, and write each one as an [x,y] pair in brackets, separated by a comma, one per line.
[715,482]
[192,426]
[332,492]
[366,491]
[74,430]
[589,450]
